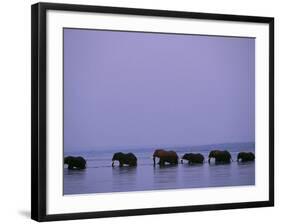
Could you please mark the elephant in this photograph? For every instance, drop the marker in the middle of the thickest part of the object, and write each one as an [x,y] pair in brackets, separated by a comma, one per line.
[124,158]
[245,156]
[170,157]
[193,158]
[78,163]
[220,156]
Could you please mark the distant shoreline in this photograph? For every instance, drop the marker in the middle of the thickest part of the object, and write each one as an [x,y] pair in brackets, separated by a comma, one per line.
[243,145]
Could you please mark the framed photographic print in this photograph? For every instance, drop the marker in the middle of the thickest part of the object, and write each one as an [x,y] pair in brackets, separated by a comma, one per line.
[141,111]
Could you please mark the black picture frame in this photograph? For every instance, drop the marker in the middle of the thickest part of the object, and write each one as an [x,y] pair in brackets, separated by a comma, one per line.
[39,121]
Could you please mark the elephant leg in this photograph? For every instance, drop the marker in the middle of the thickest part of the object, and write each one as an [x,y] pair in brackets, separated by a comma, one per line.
[120,164]
[70,167]
[132,164]
[161,162]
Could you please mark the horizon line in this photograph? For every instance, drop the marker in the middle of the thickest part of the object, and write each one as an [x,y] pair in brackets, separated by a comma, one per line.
[154,146]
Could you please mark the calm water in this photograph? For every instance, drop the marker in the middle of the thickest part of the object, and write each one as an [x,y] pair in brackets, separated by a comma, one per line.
[100,177]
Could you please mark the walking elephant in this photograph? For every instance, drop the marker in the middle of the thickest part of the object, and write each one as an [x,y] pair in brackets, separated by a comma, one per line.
[124,159]
[193,158]
[245,157]
[78,163]
[164,156]
[220,156]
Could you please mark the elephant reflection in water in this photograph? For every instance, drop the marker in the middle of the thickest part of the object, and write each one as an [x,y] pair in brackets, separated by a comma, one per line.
[164,156]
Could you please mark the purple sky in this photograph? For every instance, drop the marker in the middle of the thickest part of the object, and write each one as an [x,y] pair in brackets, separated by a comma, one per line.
[129,89]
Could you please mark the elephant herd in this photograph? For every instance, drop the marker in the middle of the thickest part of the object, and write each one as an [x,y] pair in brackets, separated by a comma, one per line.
[219,156]
[164,156]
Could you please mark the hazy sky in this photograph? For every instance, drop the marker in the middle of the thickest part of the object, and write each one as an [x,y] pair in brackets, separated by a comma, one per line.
[140,89]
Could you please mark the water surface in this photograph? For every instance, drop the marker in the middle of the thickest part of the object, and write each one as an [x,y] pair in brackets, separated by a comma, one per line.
[100,177]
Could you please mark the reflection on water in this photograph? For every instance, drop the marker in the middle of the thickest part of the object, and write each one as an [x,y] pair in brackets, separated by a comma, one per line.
[148,177]
[101,177]
[123,177]
[163,175]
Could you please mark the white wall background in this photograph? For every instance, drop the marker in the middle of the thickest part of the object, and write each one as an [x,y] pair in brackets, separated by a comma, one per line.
[15,109]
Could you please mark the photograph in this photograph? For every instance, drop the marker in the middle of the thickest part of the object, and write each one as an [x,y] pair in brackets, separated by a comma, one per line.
[139,111]
[154,111]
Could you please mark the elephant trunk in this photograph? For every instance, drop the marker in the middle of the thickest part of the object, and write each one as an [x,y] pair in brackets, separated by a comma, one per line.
[154,160]
[209,160]
[181,161]
[112,163]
